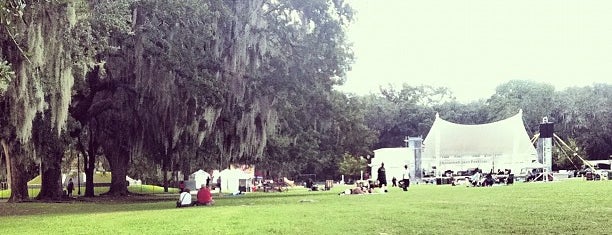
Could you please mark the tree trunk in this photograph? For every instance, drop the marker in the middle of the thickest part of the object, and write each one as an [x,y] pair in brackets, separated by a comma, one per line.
[19,184]
[118,161]
[90,166]
[186,169]
[89,160]
[51,185]
[8,162]
[51,152]
[165,172]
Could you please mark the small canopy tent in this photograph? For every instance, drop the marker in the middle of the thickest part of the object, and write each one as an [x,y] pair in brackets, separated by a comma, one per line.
[233,179]
[132,181]
[199,178]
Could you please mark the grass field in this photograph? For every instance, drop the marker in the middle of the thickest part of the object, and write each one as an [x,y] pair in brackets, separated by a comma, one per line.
[567,207]
[139,189]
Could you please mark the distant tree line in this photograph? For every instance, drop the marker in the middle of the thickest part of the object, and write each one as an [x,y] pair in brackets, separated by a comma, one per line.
[581,114]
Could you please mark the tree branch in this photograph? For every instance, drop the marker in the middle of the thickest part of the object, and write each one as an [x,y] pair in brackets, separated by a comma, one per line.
[17,45]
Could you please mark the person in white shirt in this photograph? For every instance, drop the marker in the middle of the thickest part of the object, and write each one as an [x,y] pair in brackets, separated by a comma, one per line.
[406,178]
[184,199]
[476,178]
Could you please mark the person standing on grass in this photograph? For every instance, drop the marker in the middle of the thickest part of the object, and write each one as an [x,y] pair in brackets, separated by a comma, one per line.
[219,183]
[382,176]
[70,187]
[406,178]
[205,196]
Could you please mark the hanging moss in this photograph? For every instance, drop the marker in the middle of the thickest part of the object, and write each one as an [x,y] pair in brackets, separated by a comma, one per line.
[245,115]
[47,71]
[25,102]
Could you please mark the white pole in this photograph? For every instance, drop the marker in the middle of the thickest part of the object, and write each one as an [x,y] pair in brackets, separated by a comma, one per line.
[547,157]
[437,141]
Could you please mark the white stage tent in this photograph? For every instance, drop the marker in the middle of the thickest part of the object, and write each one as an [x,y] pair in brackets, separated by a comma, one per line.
[501,145]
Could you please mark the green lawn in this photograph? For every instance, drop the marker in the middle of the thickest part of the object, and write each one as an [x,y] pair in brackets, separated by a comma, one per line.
[140,189]
[568,207]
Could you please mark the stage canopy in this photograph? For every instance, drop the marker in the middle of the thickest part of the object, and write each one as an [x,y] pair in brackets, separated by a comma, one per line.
[501,145]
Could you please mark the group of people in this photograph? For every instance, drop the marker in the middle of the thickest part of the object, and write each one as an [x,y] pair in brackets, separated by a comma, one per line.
[382,177]
[203,198]
[382,182]
[532,175]
[477,179]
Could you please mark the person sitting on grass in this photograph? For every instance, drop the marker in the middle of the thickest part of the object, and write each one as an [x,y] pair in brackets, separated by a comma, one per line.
[510,179]
[205,196]
[354,191]
[531,175]
[184,199]
[357,190]
[488,181]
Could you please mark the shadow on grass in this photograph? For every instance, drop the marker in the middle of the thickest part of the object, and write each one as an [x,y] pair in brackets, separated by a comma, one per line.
[143,202]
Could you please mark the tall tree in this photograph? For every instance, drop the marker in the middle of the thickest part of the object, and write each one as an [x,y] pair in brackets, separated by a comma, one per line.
[409,111]
[175,75]
[32,38]
[104,101]
[6,75]
[309,55]
[582,113]
[535,99]
[352,166]
[471,113]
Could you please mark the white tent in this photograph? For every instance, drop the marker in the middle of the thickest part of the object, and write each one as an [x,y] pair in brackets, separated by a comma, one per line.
[199,177]
[132,181]
[394,160]
[231,178]
[499,145]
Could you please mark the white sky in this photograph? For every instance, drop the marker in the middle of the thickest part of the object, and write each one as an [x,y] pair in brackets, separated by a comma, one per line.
[472,46]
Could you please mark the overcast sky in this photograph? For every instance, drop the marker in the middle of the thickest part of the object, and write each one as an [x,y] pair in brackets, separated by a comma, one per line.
[472,46]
